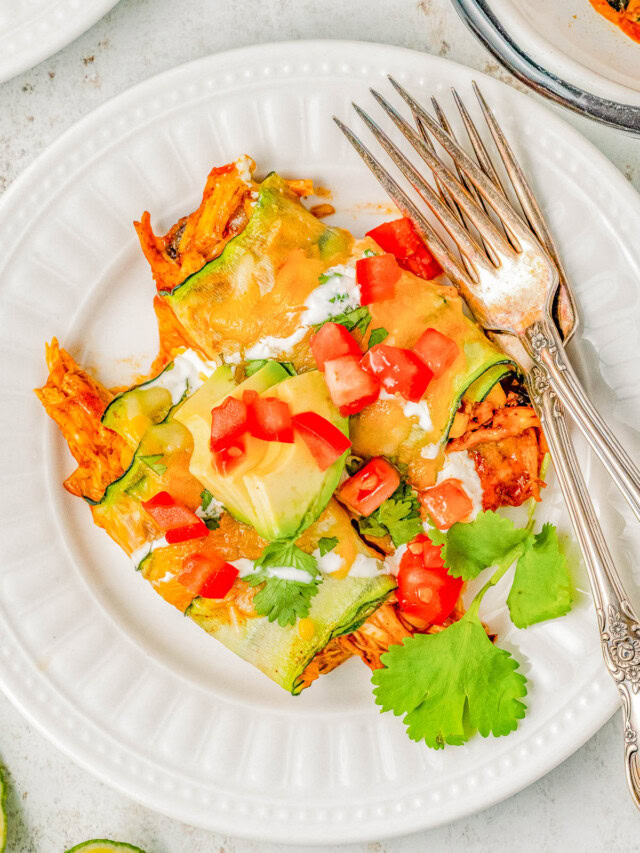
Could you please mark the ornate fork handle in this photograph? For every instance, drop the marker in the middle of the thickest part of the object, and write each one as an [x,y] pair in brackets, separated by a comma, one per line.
[618,623]
[544,345]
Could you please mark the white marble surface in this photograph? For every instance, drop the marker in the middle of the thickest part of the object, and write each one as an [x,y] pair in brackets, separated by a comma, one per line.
[53,804]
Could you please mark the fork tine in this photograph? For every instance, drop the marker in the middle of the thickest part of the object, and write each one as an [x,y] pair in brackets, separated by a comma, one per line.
[567,308]
[444,123]
[409,209]
[482,155]
[475,213]
[463,239]
[502,207]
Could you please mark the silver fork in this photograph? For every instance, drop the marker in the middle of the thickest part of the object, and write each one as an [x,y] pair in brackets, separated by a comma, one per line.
[510,286]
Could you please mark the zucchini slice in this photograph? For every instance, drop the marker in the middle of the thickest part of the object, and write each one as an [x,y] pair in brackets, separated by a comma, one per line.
[103,845]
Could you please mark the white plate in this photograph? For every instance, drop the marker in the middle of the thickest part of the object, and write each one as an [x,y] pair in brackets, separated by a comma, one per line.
[32,30]
[117,679]
[573,41]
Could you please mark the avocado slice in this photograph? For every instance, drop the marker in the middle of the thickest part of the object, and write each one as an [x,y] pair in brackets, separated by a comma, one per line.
[287,488]
[195,414]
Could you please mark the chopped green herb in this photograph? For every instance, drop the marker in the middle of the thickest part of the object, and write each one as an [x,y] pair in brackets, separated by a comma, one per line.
[326,544]
[356,320]
[377,336]
[324,278]
[398,516]
[284,600]
[368,253]
[206,497]
[154,463]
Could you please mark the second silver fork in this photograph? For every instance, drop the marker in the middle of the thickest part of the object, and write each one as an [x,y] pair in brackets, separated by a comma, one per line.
[617,621]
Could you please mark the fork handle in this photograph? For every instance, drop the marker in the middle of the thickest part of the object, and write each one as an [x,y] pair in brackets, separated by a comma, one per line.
[552,367]
[617,621]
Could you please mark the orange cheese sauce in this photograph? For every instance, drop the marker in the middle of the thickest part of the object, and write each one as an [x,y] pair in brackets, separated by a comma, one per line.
[627,19]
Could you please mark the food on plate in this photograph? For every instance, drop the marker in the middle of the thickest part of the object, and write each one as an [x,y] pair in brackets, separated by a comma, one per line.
[624,13]
[103,845]
[311,470]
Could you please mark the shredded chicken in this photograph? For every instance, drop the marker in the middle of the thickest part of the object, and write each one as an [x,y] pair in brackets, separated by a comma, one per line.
[76,403]
[507,447]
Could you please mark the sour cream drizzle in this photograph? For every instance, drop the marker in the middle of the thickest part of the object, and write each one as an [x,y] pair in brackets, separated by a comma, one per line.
[337,295]
[188,373]
[145,549]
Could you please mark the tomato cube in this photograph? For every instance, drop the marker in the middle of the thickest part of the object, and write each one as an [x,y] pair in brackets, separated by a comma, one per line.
[398,371]
[436,350]
[447,503]
[268,418]
[370,487]
[377,277]
[398,237]
[332,341]
[351,388]
[324,440]
[228,422]
[208,576]
[425,587]
[422,264]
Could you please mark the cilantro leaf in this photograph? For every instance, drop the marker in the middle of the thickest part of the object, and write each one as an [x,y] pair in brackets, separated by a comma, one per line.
[154,463]
[398,516]
[357,319]
[324,278]
[326,544]
[206,497]
[256,365]
[468,548]
[368,253]
[284,600]
[451,684]
[541,587]
[377,336]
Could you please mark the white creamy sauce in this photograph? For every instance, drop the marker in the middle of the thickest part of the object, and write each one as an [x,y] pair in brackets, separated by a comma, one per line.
[188,373]
[272,347]
[168,576]
[244,566]
[421,411]
[144,550]
[460,466]
[431,451]
[213,511]
[330,562]
[392,562]
[385,395]
[367,567]
[337,295]
[286,573]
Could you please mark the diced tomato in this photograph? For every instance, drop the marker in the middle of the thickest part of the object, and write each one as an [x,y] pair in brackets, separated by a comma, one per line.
[168,513]
[398,237]
[398,371]
[209,576]
[268,418]
[447,503]
[197,530]
[325,441]
[228,422]
[332,341]
[229,457]
[351,388]
[370,487]
[401,239]
[422,264]
[436,350]
[631,28]
[377,277]
[425,588]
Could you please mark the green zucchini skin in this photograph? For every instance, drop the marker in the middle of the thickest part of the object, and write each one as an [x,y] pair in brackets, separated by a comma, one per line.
[340,607]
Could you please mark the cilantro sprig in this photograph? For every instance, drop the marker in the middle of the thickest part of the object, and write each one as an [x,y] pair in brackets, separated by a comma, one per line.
[326,544]
[279,599]
[154,463]
[257,364]
[357,319]
[398,516]
[454,683]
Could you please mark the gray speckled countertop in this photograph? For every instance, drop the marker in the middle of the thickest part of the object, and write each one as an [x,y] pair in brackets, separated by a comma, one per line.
[52,804]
